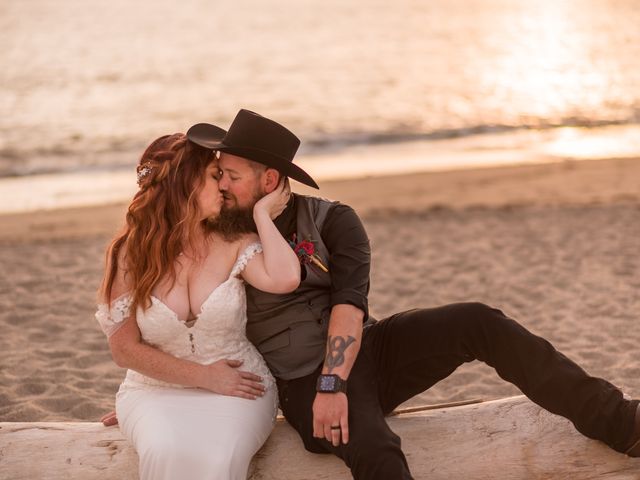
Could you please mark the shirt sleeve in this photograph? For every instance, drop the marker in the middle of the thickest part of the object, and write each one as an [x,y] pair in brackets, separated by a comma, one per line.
[350,260]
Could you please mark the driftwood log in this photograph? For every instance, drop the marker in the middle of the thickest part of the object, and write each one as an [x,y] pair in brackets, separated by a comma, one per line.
[503,439]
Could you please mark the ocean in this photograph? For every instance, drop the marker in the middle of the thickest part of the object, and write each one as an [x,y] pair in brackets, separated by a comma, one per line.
[86,85]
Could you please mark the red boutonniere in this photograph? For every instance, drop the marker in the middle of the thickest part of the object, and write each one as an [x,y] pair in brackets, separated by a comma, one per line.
[306,252]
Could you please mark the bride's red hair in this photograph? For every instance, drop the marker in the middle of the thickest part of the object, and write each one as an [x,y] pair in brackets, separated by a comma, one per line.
[161,218]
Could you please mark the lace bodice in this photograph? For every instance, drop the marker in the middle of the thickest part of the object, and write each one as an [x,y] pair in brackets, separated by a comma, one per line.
[218,331]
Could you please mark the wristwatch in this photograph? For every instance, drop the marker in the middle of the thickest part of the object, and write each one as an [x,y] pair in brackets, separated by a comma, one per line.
[331,384]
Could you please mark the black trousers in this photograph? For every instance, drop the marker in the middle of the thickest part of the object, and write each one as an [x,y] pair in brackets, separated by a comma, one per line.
[409,352]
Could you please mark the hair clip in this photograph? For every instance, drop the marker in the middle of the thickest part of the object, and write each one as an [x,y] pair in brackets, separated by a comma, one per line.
[143,171]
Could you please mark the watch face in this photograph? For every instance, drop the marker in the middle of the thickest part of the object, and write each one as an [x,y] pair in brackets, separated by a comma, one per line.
[327,383]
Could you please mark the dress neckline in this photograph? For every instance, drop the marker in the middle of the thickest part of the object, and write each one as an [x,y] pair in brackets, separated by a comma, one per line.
[193,322]
[235,270]
[238,266]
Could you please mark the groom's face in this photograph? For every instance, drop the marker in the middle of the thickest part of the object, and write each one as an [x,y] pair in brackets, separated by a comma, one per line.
[241,183]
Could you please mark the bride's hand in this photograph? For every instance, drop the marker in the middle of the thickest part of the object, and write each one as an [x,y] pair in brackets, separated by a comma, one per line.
[225,378]
[109,419]
[275,202]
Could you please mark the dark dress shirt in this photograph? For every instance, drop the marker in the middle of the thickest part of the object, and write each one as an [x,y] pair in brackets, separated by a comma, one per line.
[347,241]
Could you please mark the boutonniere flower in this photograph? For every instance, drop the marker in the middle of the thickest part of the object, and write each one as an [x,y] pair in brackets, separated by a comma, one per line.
[306,252]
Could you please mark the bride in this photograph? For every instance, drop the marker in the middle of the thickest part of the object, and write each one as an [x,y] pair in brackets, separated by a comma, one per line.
[197,400]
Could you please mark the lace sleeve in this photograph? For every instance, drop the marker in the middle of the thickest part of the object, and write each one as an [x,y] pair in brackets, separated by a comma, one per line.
[111,318]
[248,253]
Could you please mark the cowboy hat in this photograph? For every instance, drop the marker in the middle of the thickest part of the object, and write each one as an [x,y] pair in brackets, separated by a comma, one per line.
[255,138]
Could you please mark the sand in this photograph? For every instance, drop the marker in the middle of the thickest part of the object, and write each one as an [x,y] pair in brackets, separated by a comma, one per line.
[555,246]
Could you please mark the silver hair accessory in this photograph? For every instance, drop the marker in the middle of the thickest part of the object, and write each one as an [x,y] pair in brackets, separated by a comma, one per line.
[143,171]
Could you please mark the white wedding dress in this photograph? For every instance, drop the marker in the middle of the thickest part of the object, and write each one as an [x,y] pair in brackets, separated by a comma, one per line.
[188,433]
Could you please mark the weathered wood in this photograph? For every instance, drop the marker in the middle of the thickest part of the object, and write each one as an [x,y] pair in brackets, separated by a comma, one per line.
[506,439]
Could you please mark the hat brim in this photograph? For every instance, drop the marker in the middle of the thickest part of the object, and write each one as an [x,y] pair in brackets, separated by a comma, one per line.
[210,136]
[283,165]
[206,135]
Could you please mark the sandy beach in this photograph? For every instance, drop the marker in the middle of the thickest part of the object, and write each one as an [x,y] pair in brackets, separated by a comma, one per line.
[555,246]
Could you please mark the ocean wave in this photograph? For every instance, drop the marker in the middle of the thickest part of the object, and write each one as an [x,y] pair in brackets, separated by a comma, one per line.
[338,141]
[118,154]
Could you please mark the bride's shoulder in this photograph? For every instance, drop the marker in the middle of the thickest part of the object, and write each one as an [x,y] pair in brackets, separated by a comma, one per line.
[121,284]
[246,241]
[237,243]
[247,247]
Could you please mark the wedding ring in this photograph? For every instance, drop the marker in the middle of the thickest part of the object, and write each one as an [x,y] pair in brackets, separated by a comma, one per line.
[335,427]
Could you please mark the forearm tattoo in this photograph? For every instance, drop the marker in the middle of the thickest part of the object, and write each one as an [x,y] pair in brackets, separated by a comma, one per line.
[336,347]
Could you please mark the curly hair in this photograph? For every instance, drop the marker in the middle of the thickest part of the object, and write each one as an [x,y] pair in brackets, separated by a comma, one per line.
[161,219]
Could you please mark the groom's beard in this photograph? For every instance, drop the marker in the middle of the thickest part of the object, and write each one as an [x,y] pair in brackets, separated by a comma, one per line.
[233,222]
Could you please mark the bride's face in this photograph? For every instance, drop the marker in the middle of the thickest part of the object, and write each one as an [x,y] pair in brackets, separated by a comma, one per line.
[210,199]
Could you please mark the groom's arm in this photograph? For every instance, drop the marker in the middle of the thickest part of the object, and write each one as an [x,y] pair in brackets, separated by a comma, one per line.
[343,344]
[349,267]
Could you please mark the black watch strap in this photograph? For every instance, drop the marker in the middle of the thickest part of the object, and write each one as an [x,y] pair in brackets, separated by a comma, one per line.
[331,383]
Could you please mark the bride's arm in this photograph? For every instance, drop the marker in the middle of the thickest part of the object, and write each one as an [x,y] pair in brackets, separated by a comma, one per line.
[129,351]
[277,270]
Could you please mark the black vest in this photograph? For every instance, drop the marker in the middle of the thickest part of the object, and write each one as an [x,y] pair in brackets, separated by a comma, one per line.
[290,330]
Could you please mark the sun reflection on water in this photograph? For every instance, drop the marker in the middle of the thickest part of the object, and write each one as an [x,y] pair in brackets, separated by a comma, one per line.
[555,70]
[583,144]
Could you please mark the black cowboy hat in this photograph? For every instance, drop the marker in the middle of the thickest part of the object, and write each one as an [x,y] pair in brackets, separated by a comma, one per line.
[256,138]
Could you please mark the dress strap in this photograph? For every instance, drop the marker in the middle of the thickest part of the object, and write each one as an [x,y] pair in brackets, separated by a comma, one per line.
[111,317]
[248,253]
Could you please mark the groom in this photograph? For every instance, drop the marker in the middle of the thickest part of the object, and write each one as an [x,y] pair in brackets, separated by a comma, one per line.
[339,372]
